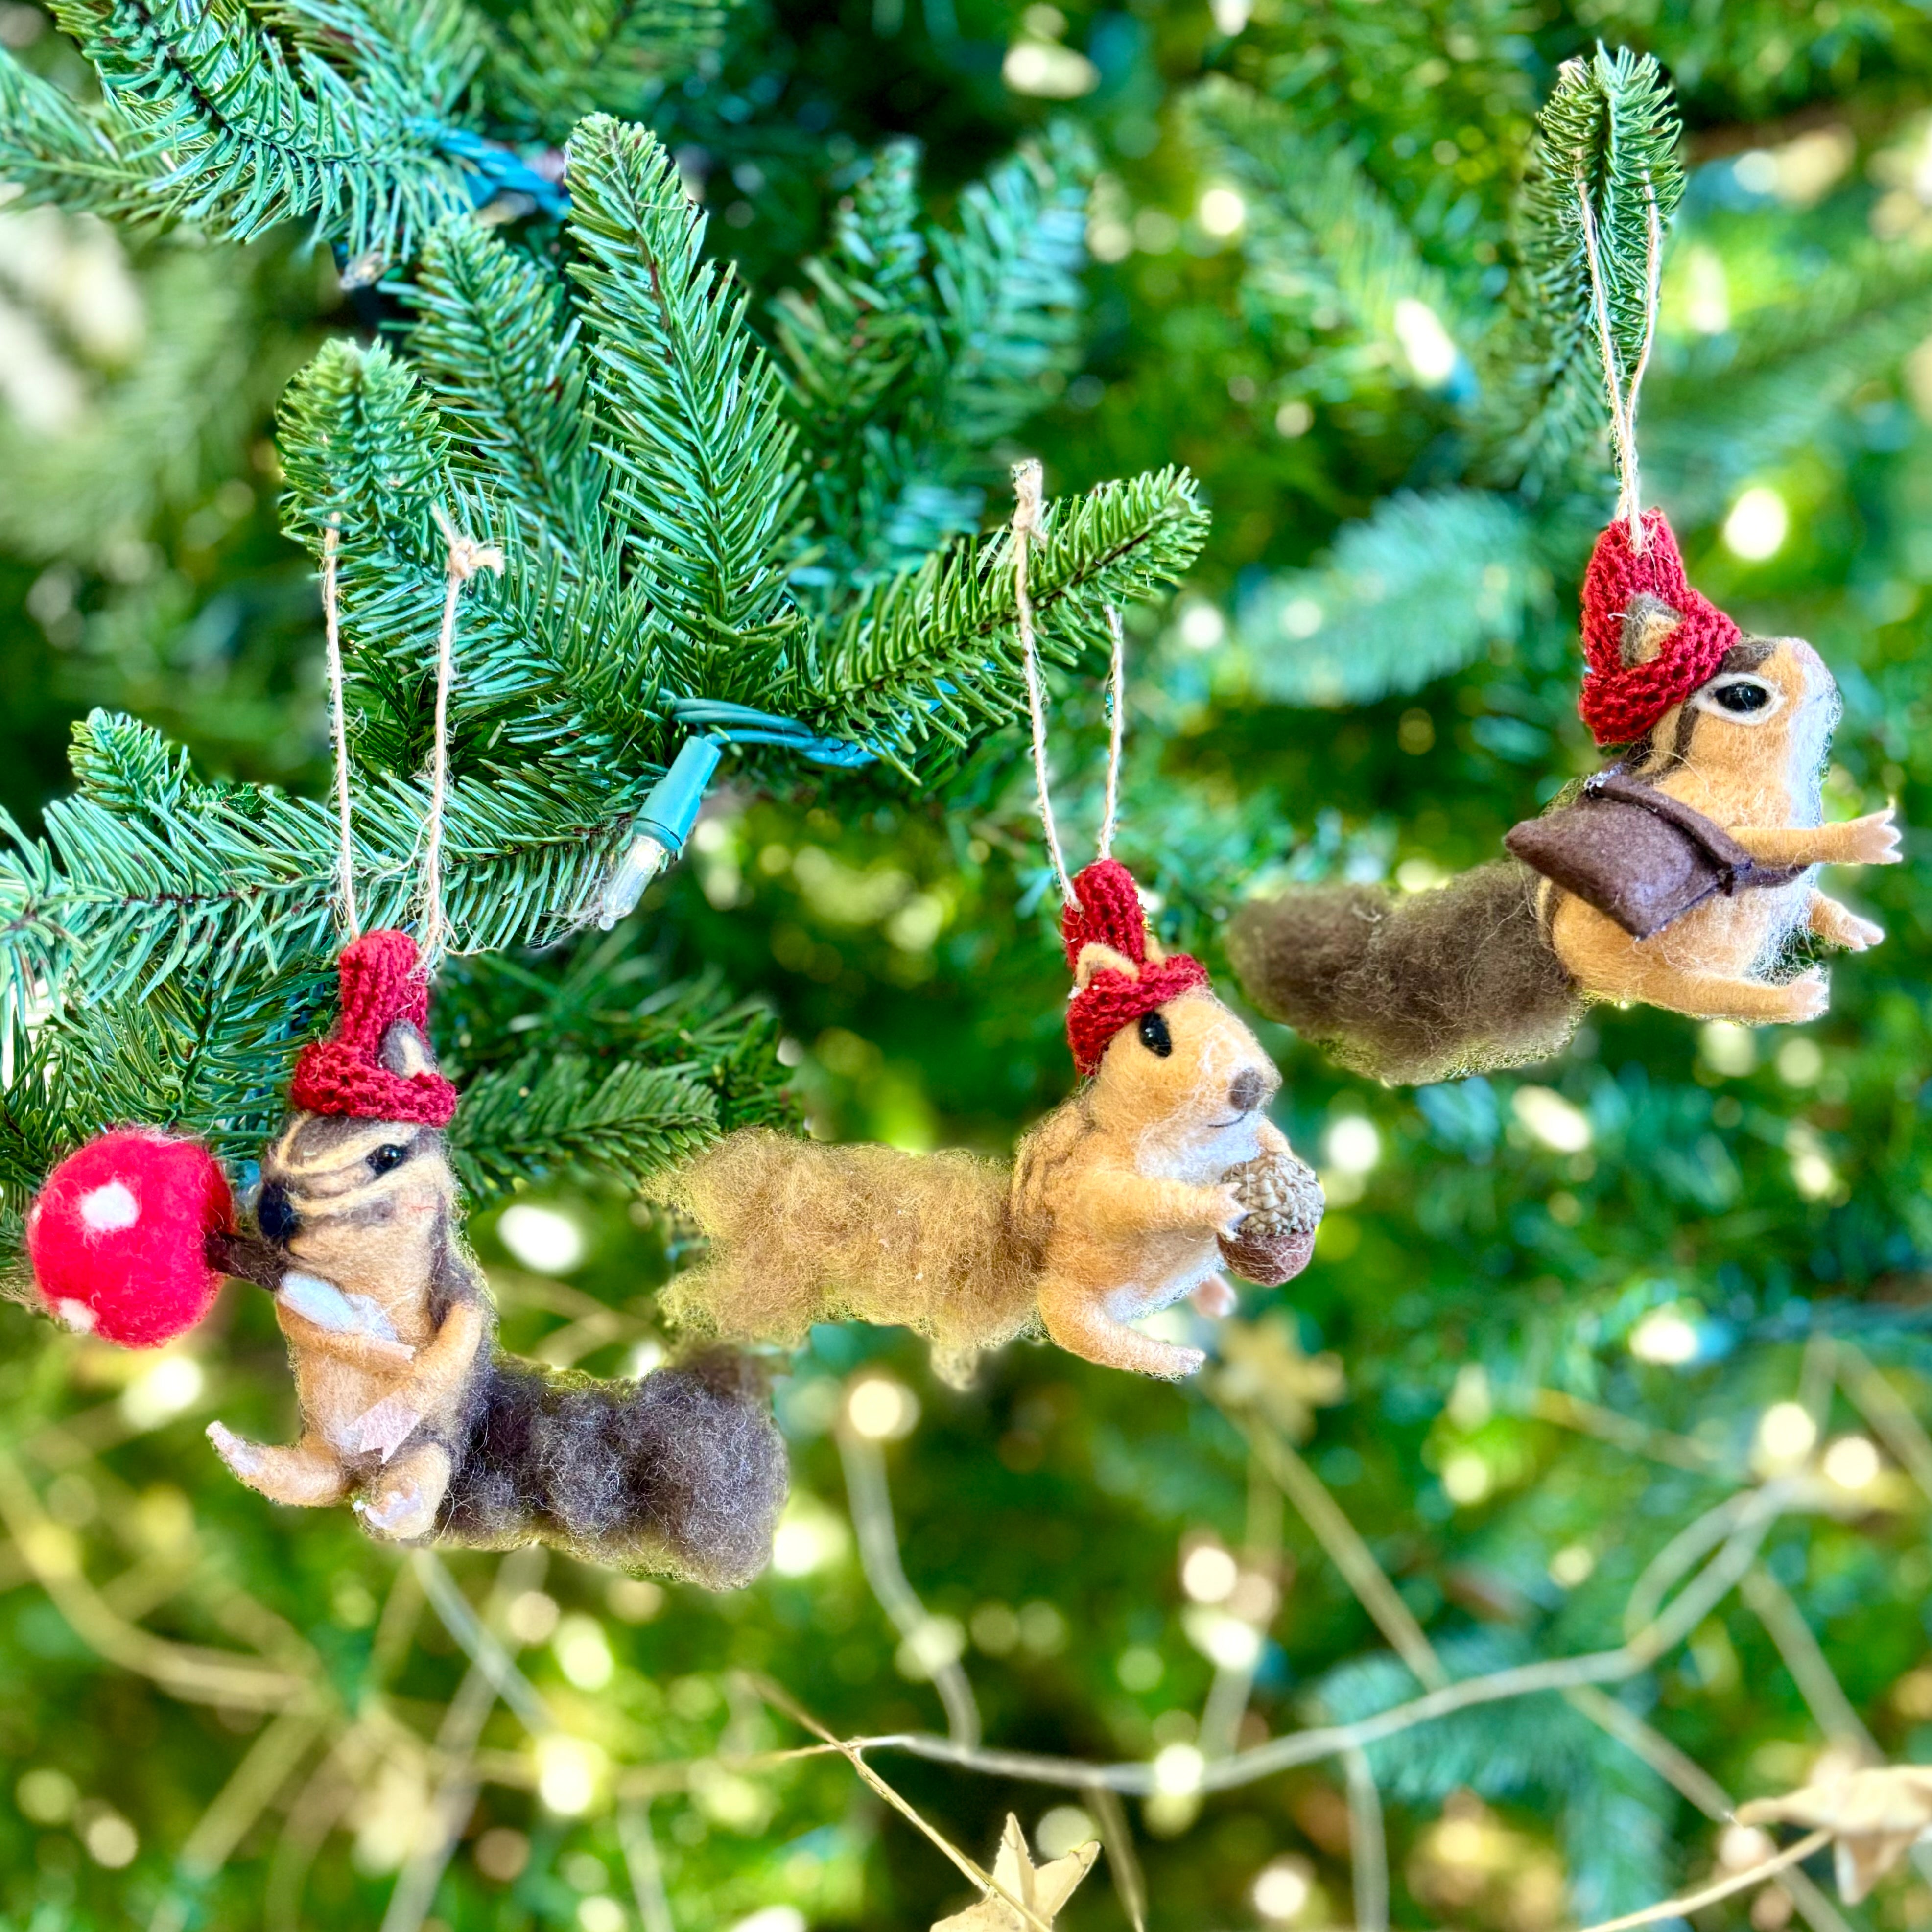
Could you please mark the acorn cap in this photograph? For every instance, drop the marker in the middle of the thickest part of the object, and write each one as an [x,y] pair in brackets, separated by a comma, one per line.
[1650,639]
[382,981]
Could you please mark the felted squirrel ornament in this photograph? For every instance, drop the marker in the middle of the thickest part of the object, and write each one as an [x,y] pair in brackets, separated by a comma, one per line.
[1679,876]
[1131,1195]
[1162,1165]
[407,1403]
[409,1408]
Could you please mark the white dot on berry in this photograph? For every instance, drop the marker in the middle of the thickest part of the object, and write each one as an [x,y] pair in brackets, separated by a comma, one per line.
[77,1316]
[109,1208]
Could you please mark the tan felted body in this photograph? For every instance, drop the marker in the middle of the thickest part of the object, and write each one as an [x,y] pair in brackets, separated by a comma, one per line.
[1113,1207]
[1747,750]
[410,1408]
[381,1401]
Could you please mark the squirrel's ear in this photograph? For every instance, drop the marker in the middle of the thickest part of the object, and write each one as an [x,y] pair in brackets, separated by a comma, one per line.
[1157,953]
[1647,623]
[404,1052]
[1095,958]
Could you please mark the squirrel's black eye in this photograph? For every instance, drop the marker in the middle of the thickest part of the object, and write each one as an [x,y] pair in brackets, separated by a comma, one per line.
[1154,1035]
[387,1156]
[1744,698]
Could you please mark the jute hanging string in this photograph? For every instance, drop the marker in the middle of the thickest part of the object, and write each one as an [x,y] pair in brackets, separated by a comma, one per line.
[1027,524]
[1622,390]
[464,556]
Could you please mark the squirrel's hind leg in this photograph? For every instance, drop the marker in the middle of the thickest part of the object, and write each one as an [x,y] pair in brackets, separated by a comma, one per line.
[1608,964]
[401,1504]
[306,1475]
[1077,1323]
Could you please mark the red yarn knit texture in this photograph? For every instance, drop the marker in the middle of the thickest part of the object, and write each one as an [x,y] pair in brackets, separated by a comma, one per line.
[118,1236]
[1621,702]
[1108,913]
[382,981]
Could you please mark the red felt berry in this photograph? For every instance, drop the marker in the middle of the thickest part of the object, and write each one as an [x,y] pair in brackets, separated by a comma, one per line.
[117,1237]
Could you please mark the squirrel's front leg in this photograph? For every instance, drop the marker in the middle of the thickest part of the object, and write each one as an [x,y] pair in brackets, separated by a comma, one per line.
[1839,925]
[307,1474]
[1118,1201]
[1872,840]
[434,1381]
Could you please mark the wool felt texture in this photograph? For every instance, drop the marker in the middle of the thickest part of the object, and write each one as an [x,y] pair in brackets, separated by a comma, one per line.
[1106,912]
[117,1236]
[1637,855]
[381,981]
[1113,1207]
[1410,987]
[410,1410]
[1623,699]
[1494,970]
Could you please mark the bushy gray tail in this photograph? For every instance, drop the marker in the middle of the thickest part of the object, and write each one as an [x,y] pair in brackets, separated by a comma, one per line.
[683,1473]
[1411,987]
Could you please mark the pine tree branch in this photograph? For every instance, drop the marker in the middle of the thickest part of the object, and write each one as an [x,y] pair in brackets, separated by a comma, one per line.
[494,348]
[1417,590]
[556,60]
[1319,231]
[931,656]
[234,135]
[691,409]
[548,1116]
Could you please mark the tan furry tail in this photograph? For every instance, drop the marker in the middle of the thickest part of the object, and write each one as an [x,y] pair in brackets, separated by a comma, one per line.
[802,1232]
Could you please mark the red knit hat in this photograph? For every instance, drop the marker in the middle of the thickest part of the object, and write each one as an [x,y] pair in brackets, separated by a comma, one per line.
[1109,913]
[382,981]
[1621,702]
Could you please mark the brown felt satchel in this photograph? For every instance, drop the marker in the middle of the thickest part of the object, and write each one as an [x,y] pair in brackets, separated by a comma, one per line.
[1638,857]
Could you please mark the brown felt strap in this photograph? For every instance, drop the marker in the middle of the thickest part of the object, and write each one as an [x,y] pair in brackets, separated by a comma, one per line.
[1743,871]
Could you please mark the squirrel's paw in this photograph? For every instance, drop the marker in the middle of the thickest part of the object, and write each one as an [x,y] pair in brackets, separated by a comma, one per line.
[1856,935]
[399,1511]
[244,1459]
[1174,1364]
[1872,840]
[1807,997]
[1215,1297]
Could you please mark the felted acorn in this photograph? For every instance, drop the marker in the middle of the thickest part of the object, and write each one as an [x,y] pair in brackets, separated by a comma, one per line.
[409,1408]
[1273,1240]
[118,1236]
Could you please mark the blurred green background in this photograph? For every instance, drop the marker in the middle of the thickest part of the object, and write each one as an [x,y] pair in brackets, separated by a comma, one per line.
[1572,1312]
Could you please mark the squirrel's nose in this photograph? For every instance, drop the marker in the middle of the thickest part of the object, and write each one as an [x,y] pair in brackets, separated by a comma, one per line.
[1247,1090]
[273,1214]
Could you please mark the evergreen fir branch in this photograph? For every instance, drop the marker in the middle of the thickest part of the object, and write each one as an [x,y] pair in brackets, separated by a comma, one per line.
[493,347]
[549,1116]
[556,60]
[1786,380]
[235,135]
[52,149]
[1009,290]
[931,656]
[131,889]
[428,51]
[691,409]
[1609,131]
[1319,231]
[364,452]
[863,347]
[1418,589]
